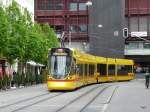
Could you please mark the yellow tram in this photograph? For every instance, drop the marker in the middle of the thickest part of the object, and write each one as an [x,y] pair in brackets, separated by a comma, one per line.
[70,69]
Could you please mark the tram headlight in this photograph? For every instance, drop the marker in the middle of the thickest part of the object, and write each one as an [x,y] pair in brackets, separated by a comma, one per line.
[69,77]
[49,77]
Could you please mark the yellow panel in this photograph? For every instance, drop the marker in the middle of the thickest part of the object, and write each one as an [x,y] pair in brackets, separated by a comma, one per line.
[111,61]
[124,61]
[101,60]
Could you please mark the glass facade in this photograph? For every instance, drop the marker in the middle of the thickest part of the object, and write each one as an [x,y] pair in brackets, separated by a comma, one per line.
[82,6]
[65,16]
[134,45]
[73,7]
[50,5]
[83,28]
[76,28]
[146,46]
[134,24]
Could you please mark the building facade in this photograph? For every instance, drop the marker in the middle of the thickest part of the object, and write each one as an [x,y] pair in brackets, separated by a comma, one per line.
[78,21]
[137,47]
[67,17]
[106,24]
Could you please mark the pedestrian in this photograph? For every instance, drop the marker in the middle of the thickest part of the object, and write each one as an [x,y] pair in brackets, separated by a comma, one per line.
[147,77]
[13,81]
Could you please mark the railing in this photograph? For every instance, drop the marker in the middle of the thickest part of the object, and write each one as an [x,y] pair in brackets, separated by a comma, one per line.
[75,37]
[58,13]
[61,21]
[137,11]
[137,51]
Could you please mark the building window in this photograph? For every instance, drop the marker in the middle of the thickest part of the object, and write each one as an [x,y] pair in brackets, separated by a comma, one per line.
[59,5]
[73,7]
[146,46]
[82,6]
[133,45]
[73,28]
[143,24]
[83,28]
[134,24]
[41,5]
[50,5]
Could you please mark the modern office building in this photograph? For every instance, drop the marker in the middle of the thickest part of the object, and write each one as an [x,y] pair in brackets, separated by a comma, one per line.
[137,47]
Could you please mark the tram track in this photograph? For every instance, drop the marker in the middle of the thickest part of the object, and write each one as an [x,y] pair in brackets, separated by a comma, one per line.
[24,104]
[93,99]
[39,101]
[30,99]
[82,95]
[49,98]
[24,100]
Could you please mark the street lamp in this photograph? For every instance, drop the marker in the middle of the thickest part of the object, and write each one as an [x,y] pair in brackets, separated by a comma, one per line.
[88,4]
[100,26]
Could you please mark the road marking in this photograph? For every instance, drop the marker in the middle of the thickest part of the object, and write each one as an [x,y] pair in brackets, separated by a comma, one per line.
[109,99]
[104,107]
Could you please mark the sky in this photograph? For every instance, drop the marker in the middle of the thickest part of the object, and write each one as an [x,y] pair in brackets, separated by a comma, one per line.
[29,4]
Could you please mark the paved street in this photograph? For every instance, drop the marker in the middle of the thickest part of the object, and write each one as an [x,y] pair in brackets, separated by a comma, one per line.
[107,97]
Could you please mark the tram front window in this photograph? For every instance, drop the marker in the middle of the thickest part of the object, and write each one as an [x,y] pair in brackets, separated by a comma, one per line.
[60,66]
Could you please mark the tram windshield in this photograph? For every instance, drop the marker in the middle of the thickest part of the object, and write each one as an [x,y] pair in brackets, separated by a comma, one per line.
[60,66]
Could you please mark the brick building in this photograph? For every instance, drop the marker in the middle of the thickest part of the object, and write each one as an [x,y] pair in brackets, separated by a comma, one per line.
[68,16]
[137,47]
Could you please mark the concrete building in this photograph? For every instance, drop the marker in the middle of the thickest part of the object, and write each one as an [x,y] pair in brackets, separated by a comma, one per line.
[106,24]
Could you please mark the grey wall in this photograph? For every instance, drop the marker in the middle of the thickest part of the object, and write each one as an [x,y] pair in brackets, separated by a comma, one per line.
[109,13]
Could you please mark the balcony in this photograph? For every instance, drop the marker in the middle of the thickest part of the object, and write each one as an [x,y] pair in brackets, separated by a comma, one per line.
[135,11]
[51,21]
[137,48]
[76,37]
[137,52]
[59,13]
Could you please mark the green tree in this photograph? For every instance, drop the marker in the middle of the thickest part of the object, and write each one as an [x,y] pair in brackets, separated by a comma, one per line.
[16,32]
[51,36]
[4,37]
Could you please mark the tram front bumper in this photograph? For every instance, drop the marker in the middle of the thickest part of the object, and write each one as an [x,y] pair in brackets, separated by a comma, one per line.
[58,85]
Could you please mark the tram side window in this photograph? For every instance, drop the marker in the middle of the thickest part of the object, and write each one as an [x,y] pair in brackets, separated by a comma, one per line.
[101,68]
[111,70]
[91,69]
[86,69]
[80,69]
[124,69]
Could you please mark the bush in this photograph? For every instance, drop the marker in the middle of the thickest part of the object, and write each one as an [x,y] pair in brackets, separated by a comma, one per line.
[4,82]
[31,78]
[1,82]
[8,82]
[18,79]
[27,79]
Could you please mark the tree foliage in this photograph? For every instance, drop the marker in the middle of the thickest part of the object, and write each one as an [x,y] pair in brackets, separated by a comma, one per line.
[22,39]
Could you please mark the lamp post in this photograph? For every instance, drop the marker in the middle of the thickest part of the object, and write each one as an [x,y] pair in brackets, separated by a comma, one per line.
[88,4]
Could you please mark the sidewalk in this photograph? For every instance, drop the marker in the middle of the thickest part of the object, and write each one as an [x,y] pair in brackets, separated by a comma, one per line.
[130,97]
